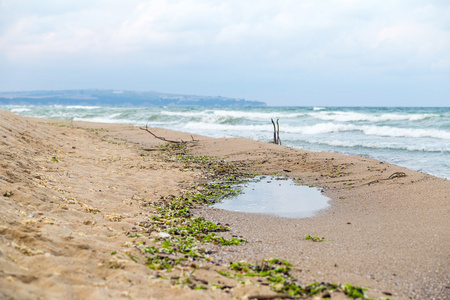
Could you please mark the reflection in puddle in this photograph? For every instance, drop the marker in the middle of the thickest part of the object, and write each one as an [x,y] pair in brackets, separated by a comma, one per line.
[277,196]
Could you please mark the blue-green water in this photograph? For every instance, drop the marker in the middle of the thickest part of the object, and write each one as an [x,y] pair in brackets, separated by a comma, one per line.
[416,138]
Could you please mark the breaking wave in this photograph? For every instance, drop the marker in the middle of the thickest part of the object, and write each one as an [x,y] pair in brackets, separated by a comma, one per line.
[358,117]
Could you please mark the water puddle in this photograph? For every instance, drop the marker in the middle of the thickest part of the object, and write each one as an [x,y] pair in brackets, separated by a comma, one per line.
[276,196]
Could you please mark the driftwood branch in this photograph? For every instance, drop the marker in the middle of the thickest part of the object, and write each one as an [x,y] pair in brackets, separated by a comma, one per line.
[392,176]
[276,133]
[267,297]
[200,280]
[161,138]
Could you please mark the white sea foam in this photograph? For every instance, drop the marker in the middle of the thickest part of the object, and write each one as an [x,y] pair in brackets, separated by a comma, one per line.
[113,116]
[257,115]
[82,107]
[320,128]
[372,145]
[226,127]
[323,128]
[405,132]
[355,117]
[19,110]
[233,114]
[187,114]
[109,120]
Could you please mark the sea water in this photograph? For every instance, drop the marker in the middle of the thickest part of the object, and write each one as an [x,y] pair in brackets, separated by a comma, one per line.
[415,138]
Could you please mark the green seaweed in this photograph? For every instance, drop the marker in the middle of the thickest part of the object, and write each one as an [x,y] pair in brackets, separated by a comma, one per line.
[314,238]
[277,273]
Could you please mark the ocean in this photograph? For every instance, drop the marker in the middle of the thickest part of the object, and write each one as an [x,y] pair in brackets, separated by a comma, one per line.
[415,138]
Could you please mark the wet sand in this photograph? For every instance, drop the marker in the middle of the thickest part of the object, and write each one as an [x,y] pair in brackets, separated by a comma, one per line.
[60,221]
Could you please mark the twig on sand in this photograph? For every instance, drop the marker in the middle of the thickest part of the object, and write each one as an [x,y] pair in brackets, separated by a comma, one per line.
[392,176]
[268,297]
[162,138]
[397,175]
[200,280]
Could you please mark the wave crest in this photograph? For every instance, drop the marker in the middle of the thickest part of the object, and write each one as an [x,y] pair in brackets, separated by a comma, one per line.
[359,117]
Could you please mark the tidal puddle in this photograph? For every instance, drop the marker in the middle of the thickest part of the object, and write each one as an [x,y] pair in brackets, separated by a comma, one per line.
[276,196]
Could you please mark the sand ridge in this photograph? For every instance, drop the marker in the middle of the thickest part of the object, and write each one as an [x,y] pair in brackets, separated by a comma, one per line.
[62,220]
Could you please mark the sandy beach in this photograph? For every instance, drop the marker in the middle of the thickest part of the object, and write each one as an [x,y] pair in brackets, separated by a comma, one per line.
[77,201]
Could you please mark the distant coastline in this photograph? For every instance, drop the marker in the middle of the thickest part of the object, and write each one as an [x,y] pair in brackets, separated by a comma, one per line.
[117,98]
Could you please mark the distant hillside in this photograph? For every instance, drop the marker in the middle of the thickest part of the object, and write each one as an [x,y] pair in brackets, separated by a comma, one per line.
[117,98]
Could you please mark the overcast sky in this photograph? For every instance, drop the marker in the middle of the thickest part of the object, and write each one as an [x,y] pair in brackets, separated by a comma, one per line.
[299,52]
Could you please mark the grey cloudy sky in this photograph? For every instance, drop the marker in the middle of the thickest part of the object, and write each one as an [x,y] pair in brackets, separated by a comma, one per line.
[303,52]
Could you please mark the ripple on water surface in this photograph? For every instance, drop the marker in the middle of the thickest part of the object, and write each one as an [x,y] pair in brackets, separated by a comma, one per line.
[276,196]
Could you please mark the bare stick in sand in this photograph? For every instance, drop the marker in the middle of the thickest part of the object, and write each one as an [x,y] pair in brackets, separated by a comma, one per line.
[276,133]
[394,175]
[276,296]
[161,138]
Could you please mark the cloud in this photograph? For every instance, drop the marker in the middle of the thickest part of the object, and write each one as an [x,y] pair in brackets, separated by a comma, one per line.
[299,34]
[228,44]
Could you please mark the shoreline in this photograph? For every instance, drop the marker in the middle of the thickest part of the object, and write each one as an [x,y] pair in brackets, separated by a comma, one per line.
[409,137]
[376,227]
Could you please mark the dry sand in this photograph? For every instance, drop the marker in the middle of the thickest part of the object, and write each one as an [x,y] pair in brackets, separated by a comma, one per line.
[60,221]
